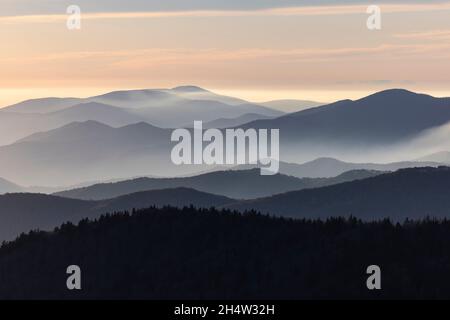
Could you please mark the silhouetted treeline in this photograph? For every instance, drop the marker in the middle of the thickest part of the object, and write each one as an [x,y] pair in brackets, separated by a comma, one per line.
[188,253]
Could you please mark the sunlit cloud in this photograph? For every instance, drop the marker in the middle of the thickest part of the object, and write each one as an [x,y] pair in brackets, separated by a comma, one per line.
[220,67]
[187,56]
[331,51]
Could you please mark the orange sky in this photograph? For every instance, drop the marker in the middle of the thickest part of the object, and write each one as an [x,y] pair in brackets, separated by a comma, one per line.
[316,53]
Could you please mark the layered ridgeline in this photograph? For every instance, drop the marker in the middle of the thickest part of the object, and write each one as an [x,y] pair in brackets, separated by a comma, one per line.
[92,151]
[377,128]
[408,193]
[120,108]
[22,212]
[381,118]
[388,125]
[239,184]
[206,254]
[290,105]
[87,151]
[330,167]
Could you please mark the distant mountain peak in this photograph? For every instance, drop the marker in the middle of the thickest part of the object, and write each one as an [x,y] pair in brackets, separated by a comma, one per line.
[326,160]
[189,88]
[127,94]
[86,124]
[395,93]
[140,125]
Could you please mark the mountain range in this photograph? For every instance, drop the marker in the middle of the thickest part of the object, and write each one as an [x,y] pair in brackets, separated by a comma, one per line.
[330,167]
[92,151]
[66,141]
[86,151]
[238,184]
[414,193]
[22,212]
[384,119]
[408,193]
[120,108]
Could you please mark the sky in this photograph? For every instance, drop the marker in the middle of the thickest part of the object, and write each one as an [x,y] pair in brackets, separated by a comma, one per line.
[256,49]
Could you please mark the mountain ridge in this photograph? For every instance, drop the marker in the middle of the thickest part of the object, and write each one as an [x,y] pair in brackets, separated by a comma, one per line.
[413,193]
[123,107]
[22,212]
[251,184]
[384,117]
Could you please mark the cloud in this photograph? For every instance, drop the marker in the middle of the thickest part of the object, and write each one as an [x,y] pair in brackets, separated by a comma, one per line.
[312,10]
[433,35]
[274,67]
[42,7]
[187,55]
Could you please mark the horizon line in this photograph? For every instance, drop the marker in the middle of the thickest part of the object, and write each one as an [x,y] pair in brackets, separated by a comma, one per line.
[233,93]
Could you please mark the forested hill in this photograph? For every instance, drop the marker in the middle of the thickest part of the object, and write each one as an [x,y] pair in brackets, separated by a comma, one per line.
[207,254]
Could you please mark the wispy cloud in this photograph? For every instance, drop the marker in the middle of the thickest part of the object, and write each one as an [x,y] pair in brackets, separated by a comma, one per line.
[291,11]
[217,63]
[434,35]
[187,56]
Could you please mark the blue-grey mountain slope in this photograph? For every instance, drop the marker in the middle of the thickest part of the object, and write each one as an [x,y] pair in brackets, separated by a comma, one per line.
[160,107]
[408,193]
[383,118]
[245,184]
[86,151]
[330,167]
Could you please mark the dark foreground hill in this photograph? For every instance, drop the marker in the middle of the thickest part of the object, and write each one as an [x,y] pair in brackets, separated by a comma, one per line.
[23,212]
[205,254]
[410,193]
